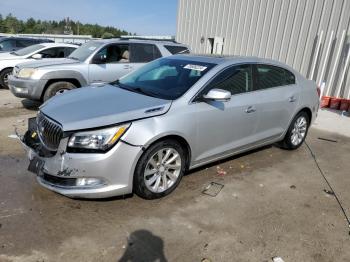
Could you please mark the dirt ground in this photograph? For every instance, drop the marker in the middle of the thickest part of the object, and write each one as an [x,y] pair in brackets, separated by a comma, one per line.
[272,204]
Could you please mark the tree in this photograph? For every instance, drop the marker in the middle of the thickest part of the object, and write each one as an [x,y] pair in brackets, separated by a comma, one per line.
[11,24]
[107,35]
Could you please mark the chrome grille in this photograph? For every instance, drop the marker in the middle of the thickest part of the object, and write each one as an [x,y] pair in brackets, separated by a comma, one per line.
[50,133]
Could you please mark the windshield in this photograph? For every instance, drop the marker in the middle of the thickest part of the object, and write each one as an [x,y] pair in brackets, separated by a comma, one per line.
[165,78]
[28,50]
[83,52]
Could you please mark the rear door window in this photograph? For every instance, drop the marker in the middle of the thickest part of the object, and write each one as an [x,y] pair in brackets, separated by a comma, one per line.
[68,51]
[143,53]
[269,76]
[173,49]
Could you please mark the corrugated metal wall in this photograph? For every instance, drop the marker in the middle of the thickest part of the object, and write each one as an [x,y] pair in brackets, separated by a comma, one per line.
[285,30]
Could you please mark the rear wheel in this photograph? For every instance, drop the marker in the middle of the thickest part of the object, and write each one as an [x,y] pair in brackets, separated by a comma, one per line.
[58,88]
[297,131]
[159,170]
[4,77]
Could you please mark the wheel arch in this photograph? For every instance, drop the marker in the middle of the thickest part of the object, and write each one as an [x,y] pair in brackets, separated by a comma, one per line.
[9,67]
[307,111]
[73,81]
[180,139]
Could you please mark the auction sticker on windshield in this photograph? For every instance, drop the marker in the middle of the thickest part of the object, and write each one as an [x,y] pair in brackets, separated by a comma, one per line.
[195,67]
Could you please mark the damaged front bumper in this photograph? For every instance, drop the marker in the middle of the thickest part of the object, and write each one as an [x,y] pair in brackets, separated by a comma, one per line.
[81,175]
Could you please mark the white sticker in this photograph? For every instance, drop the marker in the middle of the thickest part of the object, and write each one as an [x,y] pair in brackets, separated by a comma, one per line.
[195,67]
[92,48]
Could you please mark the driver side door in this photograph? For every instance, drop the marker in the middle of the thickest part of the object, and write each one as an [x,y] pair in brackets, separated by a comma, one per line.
[109,64]
[224,127]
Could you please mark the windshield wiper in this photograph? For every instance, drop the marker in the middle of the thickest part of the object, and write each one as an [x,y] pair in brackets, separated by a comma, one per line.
[133,89]
[74,58]
[14,53]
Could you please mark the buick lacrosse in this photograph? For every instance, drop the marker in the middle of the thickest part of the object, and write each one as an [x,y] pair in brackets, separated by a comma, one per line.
[143,132]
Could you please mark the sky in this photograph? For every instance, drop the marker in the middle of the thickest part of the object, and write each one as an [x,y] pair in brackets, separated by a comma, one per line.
[144,17]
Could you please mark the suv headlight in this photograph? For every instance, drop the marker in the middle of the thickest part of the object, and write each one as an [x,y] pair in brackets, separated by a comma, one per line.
[26,72]
[96,141]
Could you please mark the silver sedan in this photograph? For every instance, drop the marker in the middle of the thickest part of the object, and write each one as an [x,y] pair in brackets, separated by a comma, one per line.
[142,133]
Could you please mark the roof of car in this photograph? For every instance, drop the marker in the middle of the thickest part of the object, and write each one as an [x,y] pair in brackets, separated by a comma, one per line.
[221,59]
[143,41]
[58,45]
[23,38]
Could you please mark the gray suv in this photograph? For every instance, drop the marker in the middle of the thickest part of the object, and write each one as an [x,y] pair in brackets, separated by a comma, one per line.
[142,133]
[94,63]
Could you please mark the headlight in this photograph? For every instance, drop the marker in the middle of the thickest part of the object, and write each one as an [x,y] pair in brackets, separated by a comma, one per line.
[26,72]
[96,140]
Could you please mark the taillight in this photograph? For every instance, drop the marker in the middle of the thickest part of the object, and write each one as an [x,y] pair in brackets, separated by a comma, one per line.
[318,89]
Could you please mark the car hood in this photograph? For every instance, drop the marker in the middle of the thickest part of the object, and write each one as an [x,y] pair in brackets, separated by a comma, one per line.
[8,56]
[47,62]
[93,107]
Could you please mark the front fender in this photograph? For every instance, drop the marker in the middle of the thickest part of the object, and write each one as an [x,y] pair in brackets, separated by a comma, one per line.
[66,74]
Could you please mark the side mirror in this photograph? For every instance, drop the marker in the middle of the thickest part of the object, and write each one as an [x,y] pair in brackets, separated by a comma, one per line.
[218,95]
[37,56]
[99,59]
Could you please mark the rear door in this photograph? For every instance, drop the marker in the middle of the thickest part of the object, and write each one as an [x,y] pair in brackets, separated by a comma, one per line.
[109,64]
[226,126]
[142,53]
[277,97]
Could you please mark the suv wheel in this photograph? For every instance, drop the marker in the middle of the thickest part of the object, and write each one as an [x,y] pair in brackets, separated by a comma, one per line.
[58,88]
[297,132]
[4,77]
[159,170]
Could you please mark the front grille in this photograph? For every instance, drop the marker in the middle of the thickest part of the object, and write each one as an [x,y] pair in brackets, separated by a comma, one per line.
[59,181]
[50,133]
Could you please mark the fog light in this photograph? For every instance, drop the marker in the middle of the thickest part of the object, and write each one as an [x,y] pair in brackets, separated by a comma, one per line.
[88,181]
[21,90]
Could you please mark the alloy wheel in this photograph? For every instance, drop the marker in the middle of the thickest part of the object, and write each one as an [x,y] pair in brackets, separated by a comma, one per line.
[162,170]
[299,131]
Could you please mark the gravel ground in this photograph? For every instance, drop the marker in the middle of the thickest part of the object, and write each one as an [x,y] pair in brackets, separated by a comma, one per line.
[272,204]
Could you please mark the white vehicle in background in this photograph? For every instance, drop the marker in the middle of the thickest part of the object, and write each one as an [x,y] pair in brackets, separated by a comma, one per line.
[44,50]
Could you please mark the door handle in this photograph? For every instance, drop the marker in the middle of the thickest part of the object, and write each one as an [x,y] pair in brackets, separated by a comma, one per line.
[292,99]
[250,109]
[127,67]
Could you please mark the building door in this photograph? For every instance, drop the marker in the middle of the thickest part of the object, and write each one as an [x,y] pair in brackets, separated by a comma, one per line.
[215,45]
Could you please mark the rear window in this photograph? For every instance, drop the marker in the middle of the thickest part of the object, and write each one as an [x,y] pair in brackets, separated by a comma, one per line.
[272,76]
[173,49]
[143,53]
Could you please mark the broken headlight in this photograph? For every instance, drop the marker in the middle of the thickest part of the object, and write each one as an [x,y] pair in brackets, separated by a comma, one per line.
[96,140]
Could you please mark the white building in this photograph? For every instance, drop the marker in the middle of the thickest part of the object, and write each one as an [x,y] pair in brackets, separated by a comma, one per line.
[313,36]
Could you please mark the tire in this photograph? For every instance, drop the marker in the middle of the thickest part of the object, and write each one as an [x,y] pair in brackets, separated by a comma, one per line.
[297,132]
[56,88]
[160,180]
[3,77]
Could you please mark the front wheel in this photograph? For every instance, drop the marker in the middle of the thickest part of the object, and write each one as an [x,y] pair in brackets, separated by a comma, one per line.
[4,75]
[159,170]
[297,131]
[57,88]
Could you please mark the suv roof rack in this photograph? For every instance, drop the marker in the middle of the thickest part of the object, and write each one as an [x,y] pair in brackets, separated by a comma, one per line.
[151,38]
